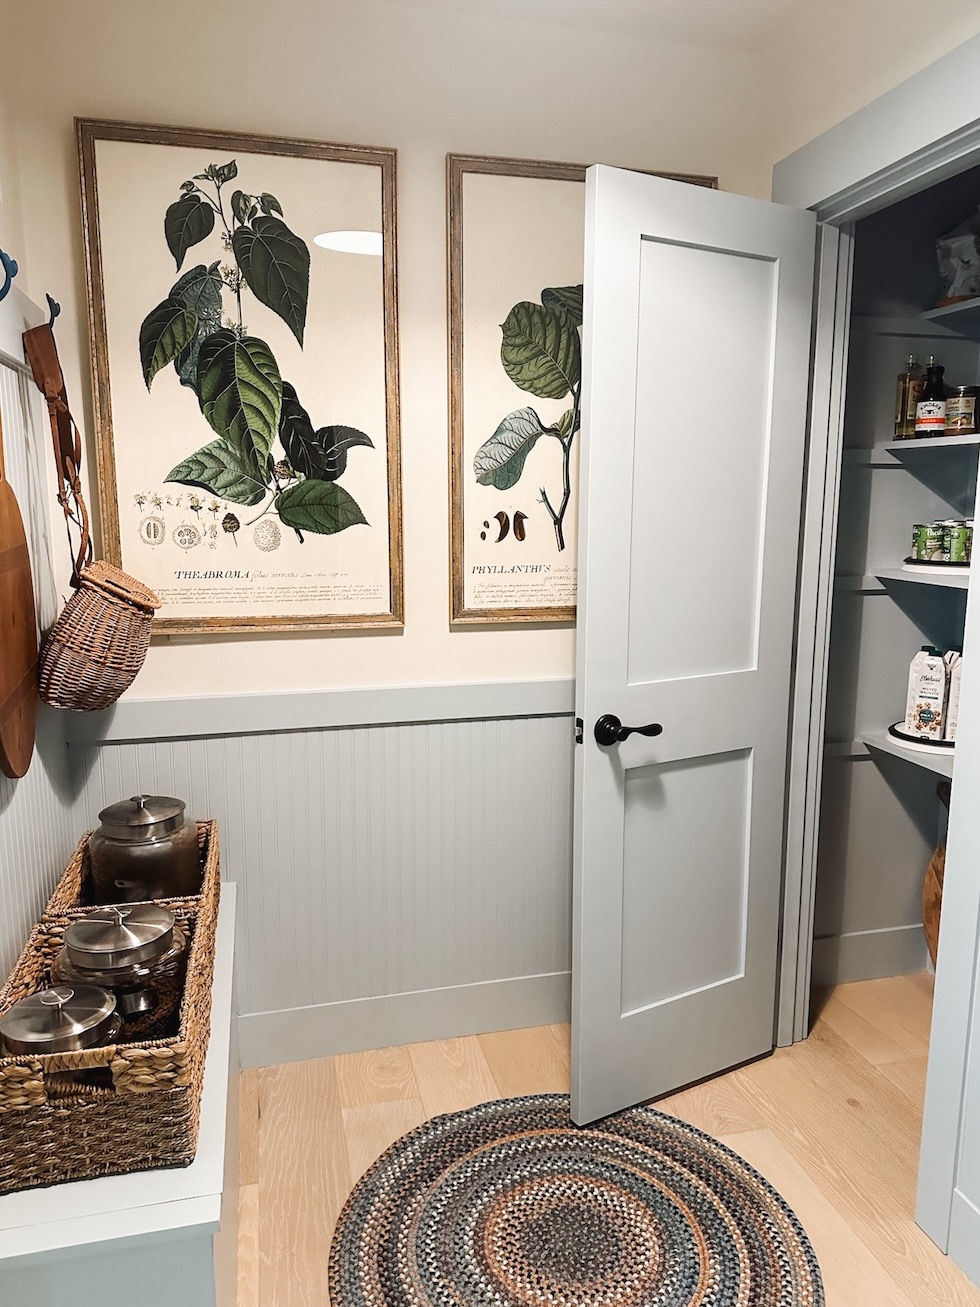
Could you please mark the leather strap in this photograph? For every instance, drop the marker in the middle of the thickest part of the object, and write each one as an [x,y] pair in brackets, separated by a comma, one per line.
[42,355]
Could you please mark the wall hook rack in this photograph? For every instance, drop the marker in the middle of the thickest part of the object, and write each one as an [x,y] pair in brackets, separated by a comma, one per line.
[9,272]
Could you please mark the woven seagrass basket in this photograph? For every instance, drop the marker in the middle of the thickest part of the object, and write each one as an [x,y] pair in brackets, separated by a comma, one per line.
[131,1106]
[72,896]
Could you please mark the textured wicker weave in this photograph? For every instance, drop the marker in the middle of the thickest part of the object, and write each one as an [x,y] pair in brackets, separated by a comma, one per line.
[72,895]
[127,1107]
[98,644]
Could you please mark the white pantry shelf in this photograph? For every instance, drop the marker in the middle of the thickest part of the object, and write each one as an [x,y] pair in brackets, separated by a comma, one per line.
[933,760]
[959,580]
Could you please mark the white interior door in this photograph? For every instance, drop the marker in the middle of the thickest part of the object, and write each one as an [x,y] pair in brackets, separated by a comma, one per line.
[697,340]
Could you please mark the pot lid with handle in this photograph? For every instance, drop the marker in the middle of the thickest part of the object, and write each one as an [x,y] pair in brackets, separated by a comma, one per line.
[120,936]
[142,818]
[62,1019]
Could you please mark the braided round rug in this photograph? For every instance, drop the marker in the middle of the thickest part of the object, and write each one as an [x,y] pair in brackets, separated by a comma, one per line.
[511,1205]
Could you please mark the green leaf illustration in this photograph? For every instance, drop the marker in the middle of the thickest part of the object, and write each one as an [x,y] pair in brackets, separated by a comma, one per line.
[225,172]
[240,203]
[320,506]
[540,350]
[220,469]
[567,297]
[198,289]
[269,203]
[276,265]
[167,330]
[240,390]
[320,455]
[188,221]
[500,460]
[564,424]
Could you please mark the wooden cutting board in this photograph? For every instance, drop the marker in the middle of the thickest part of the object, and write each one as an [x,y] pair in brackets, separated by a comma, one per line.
[18,637]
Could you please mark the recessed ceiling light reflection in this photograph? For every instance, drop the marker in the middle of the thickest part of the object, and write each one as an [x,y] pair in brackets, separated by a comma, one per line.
[351,242]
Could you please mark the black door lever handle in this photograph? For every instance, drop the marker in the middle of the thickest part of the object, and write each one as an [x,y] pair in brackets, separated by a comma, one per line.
[610,730]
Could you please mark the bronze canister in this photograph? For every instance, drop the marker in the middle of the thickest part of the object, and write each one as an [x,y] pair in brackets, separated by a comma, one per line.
[145,849]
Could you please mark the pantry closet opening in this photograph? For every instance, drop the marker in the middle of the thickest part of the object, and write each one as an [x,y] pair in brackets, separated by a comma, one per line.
[883,813]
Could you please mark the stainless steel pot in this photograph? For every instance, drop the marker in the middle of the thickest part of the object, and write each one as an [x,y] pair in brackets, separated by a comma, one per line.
[63,1019]
[131,949]
[145,849]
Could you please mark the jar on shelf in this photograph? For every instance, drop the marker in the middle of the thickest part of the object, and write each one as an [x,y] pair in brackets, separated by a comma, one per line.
[61,1019]
[138,952]
[961,410]
[145,849]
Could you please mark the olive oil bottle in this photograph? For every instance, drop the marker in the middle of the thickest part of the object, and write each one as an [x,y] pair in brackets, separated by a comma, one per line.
[908,389]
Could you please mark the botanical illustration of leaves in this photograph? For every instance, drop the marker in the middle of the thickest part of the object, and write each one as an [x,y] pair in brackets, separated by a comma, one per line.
[564,424]
[188,221]
[269,203]
[221,470]
[321,506]
[500,460]
[225,172]
[567,297]
[276,265]
[240,390]
[198,289]
[320,455]
[165,331]
[240,203]
[540,350]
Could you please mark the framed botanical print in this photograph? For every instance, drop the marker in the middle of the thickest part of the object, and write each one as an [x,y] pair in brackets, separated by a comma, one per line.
[516,237]
[243,317]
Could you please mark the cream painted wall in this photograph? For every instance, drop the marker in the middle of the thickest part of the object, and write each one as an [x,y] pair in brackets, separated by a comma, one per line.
[366,72]
[424,79]
[11,217]
[828,59]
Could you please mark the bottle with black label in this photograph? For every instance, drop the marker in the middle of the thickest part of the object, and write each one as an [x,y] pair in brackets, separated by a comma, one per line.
[908,391]
[930,411]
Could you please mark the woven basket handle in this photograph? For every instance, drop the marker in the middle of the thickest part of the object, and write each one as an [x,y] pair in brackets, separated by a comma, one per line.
[42,355]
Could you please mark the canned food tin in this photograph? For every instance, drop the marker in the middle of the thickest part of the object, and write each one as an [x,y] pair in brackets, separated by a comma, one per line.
[961,410]
[959,543]
[930,542]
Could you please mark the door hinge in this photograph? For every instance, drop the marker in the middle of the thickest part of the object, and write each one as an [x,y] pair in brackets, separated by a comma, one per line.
[579,730]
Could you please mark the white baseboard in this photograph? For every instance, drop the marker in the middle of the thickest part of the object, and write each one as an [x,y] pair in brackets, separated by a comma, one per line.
[268,1038]
[869,954]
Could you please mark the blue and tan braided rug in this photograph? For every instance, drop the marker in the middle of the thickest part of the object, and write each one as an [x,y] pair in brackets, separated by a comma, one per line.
[511,1205]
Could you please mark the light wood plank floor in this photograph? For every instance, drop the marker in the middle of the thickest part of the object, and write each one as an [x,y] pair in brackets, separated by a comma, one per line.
[833,1123]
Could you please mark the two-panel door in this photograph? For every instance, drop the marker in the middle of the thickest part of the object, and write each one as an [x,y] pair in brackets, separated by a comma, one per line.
[697,346]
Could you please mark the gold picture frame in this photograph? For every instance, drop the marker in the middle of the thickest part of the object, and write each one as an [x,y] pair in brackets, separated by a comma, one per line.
[247,418]
[516,229]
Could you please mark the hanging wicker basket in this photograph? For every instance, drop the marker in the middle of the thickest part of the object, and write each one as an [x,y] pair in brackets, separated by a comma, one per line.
[98,644]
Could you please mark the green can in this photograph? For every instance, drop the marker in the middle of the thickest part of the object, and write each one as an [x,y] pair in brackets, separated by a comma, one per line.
[959,542]
[928,542]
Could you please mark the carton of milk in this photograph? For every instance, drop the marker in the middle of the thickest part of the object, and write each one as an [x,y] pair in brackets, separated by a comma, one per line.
[954,666]
[925,706]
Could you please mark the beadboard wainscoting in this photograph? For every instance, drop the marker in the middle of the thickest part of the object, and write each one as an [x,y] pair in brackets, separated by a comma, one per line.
[37,835]
[403,876]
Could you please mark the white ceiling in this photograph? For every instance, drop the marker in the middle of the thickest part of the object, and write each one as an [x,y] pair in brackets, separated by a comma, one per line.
[722,24]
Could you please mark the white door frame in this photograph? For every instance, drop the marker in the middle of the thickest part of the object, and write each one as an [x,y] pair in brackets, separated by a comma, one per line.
[922,132]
